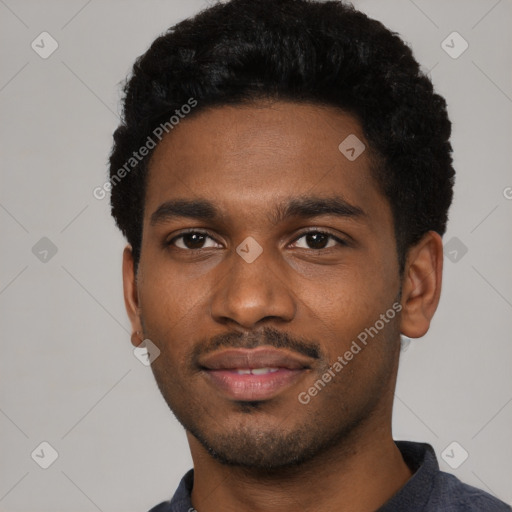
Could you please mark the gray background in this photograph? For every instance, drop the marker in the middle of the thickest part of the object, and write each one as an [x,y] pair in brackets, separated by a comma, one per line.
[69,376]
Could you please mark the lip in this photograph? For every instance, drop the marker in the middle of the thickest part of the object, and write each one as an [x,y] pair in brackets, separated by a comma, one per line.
[284,368]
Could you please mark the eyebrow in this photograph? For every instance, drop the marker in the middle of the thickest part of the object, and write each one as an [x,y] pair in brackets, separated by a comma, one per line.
[309,207]
[299,207]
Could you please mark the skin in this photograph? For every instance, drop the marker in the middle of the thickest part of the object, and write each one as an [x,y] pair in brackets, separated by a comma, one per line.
[336,452]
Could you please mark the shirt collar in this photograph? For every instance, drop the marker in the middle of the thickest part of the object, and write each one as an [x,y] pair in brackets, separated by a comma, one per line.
[414,495]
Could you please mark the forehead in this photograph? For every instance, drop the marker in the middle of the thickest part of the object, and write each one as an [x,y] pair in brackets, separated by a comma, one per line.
[248,157]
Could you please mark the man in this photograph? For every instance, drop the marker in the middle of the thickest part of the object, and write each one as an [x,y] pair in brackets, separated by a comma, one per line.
[283,175]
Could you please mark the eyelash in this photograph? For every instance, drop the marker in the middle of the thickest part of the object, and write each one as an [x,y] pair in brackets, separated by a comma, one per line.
[205,233]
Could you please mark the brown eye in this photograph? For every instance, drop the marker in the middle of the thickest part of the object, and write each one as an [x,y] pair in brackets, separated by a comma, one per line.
[318,240]
[192,240]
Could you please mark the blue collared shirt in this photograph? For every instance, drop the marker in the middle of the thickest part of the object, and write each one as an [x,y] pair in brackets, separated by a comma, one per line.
[428,490]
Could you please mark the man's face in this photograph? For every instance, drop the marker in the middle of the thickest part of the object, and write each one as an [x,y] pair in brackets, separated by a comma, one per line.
[210,308]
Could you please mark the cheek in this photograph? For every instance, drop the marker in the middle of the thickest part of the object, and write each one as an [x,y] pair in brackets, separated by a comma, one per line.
[169,305]
[167,291]
[351,303]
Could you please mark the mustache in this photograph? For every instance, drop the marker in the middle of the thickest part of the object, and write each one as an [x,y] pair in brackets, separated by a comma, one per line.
[267,336]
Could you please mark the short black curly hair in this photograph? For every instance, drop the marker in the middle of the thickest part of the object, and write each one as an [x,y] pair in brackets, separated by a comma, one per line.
[303,51]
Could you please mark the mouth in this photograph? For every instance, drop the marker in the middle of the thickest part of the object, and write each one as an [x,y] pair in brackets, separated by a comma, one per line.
[254,374]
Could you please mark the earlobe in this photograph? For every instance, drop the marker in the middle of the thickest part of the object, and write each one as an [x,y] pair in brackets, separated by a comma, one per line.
[131,299]
[421,287]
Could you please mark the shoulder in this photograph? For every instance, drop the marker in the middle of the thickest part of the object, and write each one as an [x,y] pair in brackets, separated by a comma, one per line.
[451,495]
[162,507]
[180,502]
[173,506]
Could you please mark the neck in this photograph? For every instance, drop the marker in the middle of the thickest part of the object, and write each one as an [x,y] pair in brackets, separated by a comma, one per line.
[359,474]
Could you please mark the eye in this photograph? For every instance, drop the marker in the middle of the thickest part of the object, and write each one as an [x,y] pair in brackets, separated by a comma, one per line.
[196,240]
[319,240]
[192,240]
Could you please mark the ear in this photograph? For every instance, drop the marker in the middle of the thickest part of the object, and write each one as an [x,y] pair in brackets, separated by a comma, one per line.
[421,287]
[131,298]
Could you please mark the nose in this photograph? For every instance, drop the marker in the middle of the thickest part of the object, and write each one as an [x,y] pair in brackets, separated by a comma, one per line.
[253,293]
